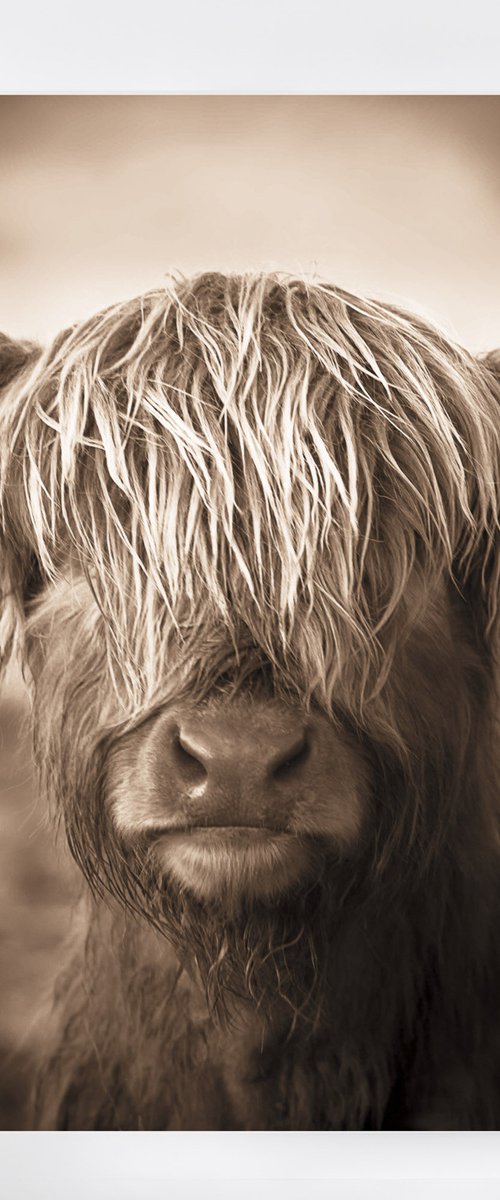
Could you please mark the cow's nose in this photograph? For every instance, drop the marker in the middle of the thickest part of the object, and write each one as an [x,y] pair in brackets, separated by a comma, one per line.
[238,762]
[228,752]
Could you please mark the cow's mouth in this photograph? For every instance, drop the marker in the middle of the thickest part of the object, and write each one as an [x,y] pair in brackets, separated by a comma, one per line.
[235,834]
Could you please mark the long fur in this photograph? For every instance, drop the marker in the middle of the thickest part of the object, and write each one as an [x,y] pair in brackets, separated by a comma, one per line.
[258,476]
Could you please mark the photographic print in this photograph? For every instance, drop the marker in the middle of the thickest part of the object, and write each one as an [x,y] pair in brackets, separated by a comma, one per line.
[249,556]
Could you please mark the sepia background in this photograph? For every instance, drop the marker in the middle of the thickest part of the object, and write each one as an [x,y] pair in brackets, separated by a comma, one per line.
[100,197]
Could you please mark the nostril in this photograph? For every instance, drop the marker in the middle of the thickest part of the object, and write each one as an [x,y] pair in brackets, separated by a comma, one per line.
[291,762]
[187,760]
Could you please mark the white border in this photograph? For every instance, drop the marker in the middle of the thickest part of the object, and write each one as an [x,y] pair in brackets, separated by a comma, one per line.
[248,46]
[250,1166]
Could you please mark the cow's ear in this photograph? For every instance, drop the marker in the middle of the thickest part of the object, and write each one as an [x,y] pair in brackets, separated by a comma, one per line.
[17,561]
[14,357]
[482,583]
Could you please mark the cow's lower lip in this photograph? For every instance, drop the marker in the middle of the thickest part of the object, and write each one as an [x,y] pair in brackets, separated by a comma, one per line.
[233,862]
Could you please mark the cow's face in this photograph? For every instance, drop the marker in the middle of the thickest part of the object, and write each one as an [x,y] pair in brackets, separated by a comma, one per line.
[246,506]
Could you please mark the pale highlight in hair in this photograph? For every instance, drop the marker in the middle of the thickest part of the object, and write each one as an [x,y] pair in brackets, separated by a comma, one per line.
[255,453]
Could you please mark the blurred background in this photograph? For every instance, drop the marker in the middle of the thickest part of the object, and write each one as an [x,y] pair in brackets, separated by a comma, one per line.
[100,197]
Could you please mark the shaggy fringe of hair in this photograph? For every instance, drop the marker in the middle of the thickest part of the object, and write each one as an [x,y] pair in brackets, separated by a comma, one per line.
[276,455]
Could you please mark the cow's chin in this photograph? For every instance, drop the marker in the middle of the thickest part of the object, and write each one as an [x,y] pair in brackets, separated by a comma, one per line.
[251,934]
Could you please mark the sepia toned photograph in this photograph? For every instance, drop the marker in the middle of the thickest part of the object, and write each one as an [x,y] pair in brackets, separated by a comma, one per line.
[249,613]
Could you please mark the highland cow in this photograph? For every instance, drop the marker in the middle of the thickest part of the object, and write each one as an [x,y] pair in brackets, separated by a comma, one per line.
[249,531]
